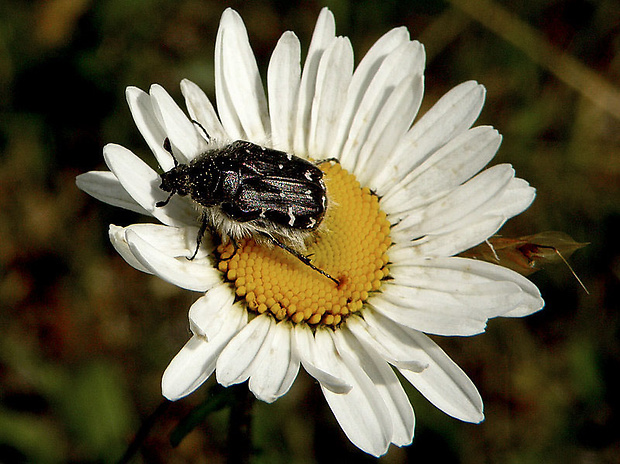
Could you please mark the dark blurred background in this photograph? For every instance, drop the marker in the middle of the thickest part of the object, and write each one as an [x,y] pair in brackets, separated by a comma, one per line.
[84,338]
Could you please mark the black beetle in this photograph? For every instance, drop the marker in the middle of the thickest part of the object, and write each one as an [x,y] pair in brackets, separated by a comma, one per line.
[246,190]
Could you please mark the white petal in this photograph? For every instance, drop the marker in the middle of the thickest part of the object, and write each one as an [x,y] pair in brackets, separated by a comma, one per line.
[283,78]
[194,275]
[142,183]
[141,107]
[393,349]
[468,232]
[361,79]
[119,242]
[456,162]
[333,77]
[207,315]
[499,273]
[454,113]
[403,62]
[465,275]
[465,217]
[442,215]
[276,366]
[472,229]
[303,343]
[201,110]
[181,132]
[515,199]
[388,385]
[239,89]
[361,413]
[323,36]
[235,362]
[225,103]
[443,383]
[197,359]
[447,312]
[391,123]
[104,186]
[177,241]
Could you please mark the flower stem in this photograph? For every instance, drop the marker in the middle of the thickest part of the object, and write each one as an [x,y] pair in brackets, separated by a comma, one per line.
[240,426]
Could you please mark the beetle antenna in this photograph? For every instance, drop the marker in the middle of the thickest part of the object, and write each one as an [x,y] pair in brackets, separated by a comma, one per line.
[204,131]
[168,148]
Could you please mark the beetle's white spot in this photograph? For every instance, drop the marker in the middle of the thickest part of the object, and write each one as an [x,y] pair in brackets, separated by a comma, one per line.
[280,166]
[289,156]
[291,222]
[308,175]
[311,224]
[262,213]
[282,195]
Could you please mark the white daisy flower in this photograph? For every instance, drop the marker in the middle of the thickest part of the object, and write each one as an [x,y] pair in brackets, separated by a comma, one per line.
[404,199]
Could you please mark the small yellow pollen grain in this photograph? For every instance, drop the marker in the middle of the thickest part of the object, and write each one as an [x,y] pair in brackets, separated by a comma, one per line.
[351,245]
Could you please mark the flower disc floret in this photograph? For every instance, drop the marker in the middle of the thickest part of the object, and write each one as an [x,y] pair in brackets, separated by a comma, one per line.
[350,245]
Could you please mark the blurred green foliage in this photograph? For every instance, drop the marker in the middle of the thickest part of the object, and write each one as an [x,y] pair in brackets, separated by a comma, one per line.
[85,337]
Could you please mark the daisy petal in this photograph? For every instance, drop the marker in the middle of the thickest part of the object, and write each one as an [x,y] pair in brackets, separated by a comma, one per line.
[463,275]
[141,107]
[405,61]
[454,113]
[180,130]
[276,366]
[142,184]
[515,199]
[283,77]
[392,122]
[447,312]
[441,215]
[323,36]
[104,186]
[201,110]
[207,314]
[443,383]
[239,80]
[197,359]
[191,275]
[361,413]
[332,80]
[472,233]
[119,242]
[235,363]
[178,241]
[361,79]
[303,342]
[383,377]
[454,163]
[394,350]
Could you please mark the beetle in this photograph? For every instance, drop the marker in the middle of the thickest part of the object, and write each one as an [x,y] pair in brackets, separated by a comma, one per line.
[247,190]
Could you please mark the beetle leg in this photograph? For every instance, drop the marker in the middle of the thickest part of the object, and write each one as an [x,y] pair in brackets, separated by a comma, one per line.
[299,256]
[201,232]
[159,204]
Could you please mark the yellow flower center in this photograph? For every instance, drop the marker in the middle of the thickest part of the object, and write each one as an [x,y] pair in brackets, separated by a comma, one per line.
[350,245]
